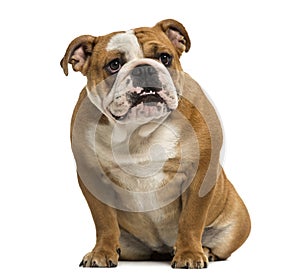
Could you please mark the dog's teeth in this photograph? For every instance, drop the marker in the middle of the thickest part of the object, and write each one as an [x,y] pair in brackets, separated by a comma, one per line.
[148,93]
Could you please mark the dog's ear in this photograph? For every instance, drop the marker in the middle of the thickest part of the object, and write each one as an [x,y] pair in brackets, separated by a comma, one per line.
[176,33]
[78,54]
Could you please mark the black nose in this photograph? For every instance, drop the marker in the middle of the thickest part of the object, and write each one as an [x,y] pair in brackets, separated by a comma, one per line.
[145,75]
[143,70]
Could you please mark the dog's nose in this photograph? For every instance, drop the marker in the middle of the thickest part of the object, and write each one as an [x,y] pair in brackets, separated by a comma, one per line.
[145,75]
[143,70]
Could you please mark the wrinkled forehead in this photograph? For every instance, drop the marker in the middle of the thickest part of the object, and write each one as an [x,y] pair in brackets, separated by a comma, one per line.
[139,43]
[126,43]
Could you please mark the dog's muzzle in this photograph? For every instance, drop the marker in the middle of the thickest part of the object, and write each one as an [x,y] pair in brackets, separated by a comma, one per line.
[142,91]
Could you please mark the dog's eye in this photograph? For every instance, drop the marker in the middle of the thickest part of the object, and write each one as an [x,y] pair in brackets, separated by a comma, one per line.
[165,59]
[114,66]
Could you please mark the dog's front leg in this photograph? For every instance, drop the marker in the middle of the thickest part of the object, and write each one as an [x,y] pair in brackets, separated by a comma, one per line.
[107,249]
[188,248]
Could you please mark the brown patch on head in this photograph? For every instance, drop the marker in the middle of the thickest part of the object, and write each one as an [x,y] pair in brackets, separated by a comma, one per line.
[167,36]
[100,59]
[154,43]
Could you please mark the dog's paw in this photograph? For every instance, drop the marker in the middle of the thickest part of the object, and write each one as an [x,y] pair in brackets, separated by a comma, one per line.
[101,259]
[189,259]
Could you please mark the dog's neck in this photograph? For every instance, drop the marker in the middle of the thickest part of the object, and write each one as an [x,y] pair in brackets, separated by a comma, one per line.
[122,132]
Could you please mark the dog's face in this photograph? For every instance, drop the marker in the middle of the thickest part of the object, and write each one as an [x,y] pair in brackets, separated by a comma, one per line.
[133,76]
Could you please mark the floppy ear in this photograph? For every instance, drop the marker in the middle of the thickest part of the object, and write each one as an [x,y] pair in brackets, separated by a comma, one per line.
[78,54]
[176,33]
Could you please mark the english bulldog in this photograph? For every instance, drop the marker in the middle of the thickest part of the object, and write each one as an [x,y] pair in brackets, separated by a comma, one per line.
[147,144]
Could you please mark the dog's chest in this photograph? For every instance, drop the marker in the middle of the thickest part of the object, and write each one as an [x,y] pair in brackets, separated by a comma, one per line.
[135,159]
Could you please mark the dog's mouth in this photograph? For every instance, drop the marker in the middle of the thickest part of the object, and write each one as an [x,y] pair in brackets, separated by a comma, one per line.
[147,102]
[149,96]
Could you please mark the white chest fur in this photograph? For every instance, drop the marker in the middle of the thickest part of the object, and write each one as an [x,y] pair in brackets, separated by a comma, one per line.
[134,156]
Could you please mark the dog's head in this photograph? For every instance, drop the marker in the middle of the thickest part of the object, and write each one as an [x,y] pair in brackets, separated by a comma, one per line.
[133,75]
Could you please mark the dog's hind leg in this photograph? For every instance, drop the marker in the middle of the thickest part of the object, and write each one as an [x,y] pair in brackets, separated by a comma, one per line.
[230,230]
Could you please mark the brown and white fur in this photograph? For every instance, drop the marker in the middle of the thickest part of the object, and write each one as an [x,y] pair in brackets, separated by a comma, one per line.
[200,216]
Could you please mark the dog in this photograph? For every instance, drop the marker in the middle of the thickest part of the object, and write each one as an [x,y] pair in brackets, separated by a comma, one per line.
[147,144]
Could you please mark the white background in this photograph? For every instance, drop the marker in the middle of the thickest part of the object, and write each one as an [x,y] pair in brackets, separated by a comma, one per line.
[245,54]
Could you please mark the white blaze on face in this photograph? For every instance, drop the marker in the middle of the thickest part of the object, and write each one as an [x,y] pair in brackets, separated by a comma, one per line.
[126,43]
